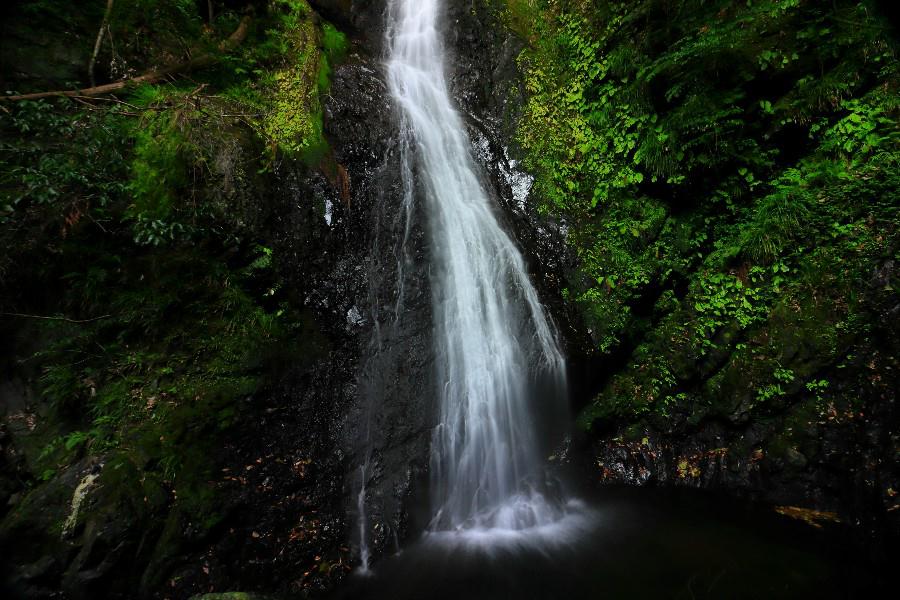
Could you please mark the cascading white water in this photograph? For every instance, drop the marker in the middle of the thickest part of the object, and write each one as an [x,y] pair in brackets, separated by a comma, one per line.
[493,342]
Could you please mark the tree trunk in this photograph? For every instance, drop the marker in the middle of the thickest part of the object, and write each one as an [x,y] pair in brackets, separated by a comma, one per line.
[104,25]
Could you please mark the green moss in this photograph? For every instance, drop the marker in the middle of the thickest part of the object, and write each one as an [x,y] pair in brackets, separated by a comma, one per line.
[334,43]
[159,169]
[293,118]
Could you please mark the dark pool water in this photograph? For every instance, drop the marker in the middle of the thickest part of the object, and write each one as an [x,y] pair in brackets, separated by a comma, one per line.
[632,543]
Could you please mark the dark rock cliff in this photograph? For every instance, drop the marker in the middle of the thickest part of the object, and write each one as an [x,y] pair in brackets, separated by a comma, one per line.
[285,481]
[345,427]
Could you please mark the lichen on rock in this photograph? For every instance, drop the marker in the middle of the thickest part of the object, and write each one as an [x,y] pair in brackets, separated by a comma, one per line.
[78,497]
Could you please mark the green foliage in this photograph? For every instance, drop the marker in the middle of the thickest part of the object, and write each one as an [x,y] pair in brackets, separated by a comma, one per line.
[58,162]
[713,160]
[721,299]
[187,332]
[152,29]
[140,216]
[172,151]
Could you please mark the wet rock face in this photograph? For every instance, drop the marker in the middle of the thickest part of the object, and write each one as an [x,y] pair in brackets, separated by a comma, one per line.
[55,55]
[385,430]
[489,91]
[836,467]
[364,19]
[359,412]
[384,427]
[833,461]
[84,532]
[285,481]
[357,408]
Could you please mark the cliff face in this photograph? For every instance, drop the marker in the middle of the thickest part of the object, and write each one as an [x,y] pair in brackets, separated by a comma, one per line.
[282,362]
[214,243]
[736,240]
[204,363]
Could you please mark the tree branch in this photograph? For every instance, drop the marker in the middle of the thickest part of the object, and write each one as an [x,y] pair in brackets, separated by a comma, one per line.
[204,60]
[44,318]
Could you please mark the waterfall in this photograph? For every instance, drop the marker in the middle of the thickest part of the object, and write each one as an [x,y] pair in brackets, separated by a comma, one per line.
[495,348]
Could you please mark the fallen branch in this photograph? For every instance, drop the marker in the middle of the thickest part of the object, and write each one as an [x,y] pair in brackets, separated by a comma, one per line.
[43,318]
[202,61]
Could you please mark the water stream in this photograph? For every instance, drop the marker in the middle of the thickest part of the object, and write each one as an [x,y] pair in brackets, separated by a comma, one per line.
[495,349]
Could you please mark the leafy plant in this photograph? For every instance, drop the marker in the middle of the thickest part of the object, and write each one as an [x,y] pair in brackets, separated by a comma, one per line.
[703,155]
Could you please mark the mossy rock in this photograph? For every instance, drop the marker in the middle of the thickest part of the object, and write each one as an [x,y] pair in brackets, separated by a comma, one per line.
[35,524]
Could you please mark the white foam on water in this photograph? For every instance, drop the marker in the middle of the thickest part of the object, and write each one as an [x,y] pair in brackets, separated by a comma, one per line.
[574,524]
